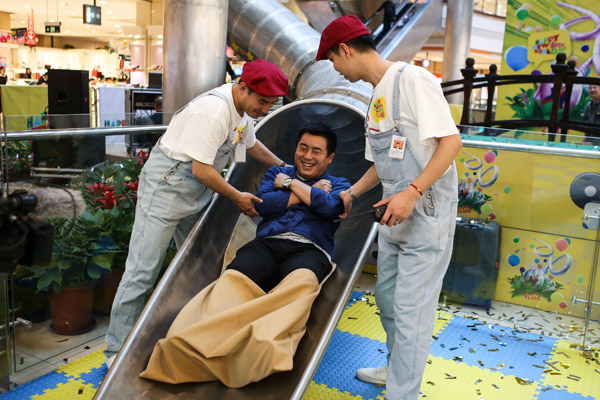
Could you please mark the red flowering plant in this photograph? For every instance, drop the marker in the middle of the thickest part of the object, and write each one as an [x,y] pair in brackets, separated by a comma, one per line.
[111,189]
[99,238]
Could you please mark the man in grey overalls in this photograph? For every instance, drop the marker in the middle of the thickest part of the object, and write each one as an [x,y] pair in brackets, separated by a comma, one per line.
[179,178]
[413,141]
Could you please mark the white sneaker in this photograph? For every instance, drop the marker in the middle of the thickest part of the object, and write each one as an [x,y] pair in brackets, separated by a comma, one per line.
[377,376]
[110,360]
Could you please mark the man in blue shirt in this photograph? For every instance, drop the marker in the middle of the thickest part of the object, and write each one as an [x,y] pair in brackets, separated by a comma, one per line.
[247,324]
[299,205]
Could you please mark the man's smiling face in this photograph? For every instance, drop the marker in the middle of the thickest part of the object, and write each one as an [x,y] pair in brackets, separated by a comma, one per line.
[311,156]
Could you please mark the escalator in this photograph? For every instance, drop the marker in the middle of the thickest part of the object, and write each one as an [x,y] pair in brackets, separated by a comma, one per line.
[414,23]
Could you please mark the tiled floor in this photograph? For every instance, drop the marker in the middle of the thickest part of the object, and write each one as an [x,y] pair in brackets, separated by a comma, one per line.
[39,350]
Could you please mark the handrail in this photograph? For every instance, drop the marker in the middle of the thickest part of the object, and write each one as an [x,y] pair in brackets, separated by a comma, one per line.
[81,132]
[562,74]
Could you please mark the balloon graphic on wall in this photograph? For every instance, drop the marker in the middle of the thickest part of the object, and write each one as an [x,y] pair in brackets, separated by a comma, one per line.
[562,244]
[516,57]
[555,21]
[514,260]
[489,157]
[486,209]
[557,297]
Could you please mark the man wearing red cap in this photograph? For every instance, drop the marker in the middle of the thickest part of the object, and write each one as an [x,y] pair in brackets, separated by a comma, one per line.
[179,178]
[412,141]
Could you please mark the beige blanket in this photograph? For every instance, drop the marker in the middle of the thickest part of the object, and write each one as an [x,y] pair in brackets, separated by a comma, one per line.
[234,332]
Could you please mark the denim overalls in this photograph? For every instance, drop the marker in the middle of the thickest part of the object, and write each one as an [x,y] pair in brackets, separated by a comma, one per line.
[412,259]
[170,201]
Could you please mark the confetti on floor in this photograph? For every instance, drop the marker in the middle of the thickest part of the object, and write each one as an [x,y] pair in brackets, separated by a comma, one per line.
[470,358]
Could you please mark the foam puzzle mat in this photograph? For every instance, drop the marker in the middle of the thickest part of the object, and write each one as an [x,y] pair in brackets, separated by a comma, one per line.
[469,359]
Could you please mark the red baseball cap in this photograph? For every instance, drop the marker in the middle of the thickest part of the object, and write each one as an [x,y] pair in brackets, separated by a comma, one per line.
[339,31]
[265,78]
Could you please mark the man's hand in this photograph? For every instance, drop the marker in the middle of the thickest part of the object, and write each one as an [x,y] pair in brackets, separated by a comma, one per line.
[323,184]
[399,206]
[345,196]
[278,182]
[244,203]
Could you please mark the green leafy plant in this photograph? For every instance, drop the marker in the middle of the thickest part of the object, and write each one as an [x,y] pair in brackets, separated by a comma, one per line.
[20,158]
[99,238]
[519,287]
[80,252]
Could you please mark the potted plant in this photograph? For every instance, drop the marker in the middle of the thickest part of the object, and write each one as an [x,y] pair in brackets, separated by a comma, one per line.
[111,190]
[81,251]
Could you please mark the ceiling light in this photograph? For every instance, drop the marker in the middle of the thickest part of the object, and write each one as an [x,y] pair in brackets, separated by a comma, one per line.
[137,36]
[160,36]
[117,26]
[93,30]
[51,20]
[109,12]
[122,34]
[102,2]
[160,42]
[73,13]
[68,31]
[63,4]
[136,42]
[26,6]
[22,22]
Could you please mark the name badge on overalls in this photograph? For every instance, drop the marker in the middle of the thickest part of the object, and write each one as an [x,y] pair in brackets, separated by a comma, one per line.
[239,153]
[398,146]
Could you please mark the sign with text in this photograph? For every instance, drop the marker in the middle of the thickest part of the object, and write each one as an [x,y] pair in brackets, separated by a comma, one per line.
[542,46]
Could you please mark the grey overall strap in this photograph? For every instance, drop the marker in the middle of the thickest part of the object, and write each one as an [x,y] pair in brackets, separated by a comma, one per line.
[230,134]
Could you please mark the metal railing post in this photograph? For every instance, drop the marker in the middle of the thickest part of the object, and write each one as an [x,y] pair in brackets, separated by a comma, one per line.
[560,70]
[468,74]
[491,88]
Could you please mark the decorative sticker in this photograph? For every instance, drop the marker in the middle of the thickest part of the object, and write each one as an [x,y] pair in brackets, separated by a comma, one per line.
[379,109]
[240,133]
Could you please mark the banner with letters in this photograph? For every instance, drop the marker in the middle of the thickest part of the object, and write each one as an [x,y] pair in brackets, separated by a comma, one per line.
[536,31]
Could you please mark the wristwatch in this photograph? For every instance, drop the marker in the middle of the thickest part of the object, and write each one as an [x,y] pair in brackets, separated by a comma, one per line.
[287,182]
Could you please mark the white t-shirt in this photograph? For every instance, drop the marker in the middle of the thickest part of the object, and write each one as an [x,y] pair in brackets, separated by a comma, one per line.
[424,112]
[197,132]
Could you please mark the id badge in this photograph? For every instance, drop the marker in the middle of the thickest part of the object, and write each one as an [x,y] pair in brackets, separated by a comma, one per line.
[239,153]
[398,147]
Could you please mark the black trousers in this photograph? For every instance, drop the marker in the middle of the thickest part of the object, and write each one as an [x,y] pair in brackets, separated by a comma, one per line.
[267,261]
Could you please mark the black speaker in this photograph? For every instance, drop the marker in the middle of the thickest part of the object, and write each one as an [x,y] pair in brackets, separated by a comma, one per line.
[69,107]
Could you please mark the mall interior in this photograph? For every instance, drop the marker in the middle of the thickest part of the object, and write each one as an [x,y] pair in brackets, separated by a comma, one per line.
[87,90]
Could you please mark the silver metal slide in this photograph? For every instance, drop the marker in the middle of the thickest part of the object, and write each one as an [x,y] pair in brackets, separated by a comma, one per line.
[199,263]
[270,31]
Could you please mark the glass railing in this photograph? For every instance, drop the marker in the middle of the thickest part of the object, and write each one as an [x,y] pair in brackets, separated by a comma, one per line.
[87,255]
[543,195]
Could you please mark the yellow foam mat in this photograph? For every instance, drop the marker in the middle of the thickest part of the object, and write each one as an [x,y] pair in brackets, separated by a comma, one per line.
[451,380]
[322,392]
[573,372]
[84,365]
[361,319]
[442,319]
[73,389]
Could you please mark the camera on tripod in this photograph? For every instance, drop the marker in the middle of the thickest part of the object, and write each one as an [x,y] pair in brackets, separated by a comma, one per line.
[24,240]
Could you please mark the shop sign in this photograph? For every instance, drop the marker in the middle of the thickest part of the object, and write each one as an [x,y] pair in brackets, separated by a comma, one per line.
[31,38]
